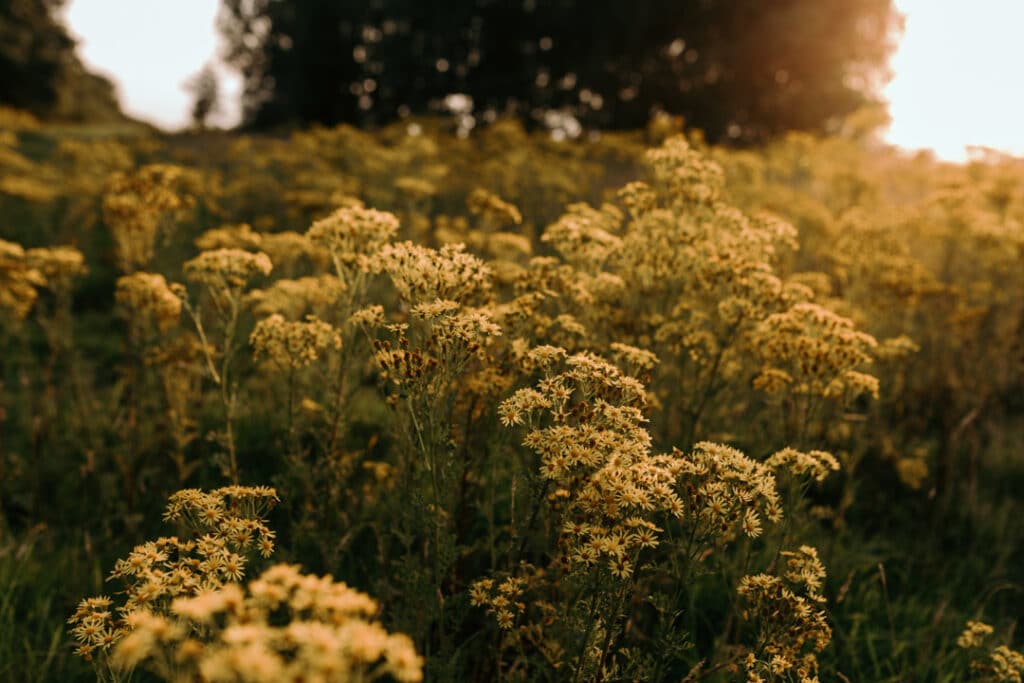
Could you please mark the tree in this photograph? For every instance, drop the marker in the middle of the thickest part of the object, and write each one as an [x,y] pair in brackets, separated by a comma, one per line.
[741,69]
[39,70]
[33,50]
[205,90]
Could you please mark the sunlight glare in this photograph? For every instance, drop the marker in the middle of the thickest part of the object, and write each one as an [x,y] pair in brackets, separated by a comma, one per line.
[957,77]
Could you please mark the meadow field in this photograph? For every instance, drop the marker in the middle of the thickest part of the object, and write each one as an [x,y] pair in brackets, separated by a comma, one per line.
[348,405]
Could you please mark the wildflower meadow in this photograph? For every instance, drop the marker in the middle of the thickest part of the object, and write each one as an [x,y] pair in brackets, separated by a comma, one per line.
[403,404]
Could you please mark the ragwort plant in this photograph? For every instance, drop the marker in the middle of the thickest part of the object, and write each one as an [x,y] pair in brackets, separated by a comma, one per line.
[620,522]
[606,521]
[284,625]
[228,527]
[368,373]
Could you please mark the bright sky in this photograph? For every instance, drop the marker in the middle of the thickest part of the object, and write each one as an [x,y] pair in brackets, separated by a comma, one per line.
[958,77]
[150,48]
[957,70]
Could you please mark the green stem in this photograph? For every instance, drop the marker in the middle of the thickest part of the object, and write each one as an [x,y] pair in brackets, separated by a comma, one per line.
[591,623]
[292,445]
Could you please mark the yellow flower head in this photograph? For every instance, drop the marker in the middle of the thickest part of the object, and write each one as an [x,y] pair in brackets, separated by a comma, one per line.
[292,345]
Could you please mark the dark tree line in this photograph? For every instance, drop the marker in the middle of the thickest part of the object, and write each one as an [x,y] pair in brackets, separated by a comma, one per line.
[32,53]
[736,68]
[39,70]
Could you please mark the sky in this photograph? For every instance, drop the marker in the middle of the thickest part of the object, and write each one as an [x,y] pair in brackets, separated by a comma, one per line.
[957,69]
[150,48]
[958,77]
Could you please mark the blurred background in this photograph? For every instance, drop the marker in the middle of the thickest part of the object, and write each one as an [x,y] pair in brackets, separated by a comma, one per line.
[741,70]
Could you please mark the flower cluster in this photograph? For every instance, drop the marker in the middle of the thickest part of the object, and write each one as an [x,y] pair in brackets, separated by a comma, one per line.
[422,274]
[18,281]
[95,626]
[818,352]
[284,626]
[228,523]
[295,298]
[817,464]
[353,235]
[974,635]
[999,664]
[227,270]
[503,598]
[687,173]
[455,330]
[292,345]
[148,295]
[787,612]
[586,237]
[633,358]
[677,271]
[492,208]
[638,197]
[137,204]
[586,425]
[368,318]
[872,257]
[416,188]
[507,247]
[447,337]
[288,249]
[404,366]
[724,493]
[58,265]
[896,348]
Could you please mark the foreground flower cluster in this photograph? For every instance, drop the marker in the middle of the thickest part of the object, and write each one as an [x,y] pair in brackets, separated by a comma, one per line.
[284,626]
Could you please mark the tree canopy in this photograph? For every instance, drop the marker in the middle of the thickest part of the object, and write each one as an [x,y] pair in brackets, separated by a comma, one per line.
[742,69]
[39,70]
